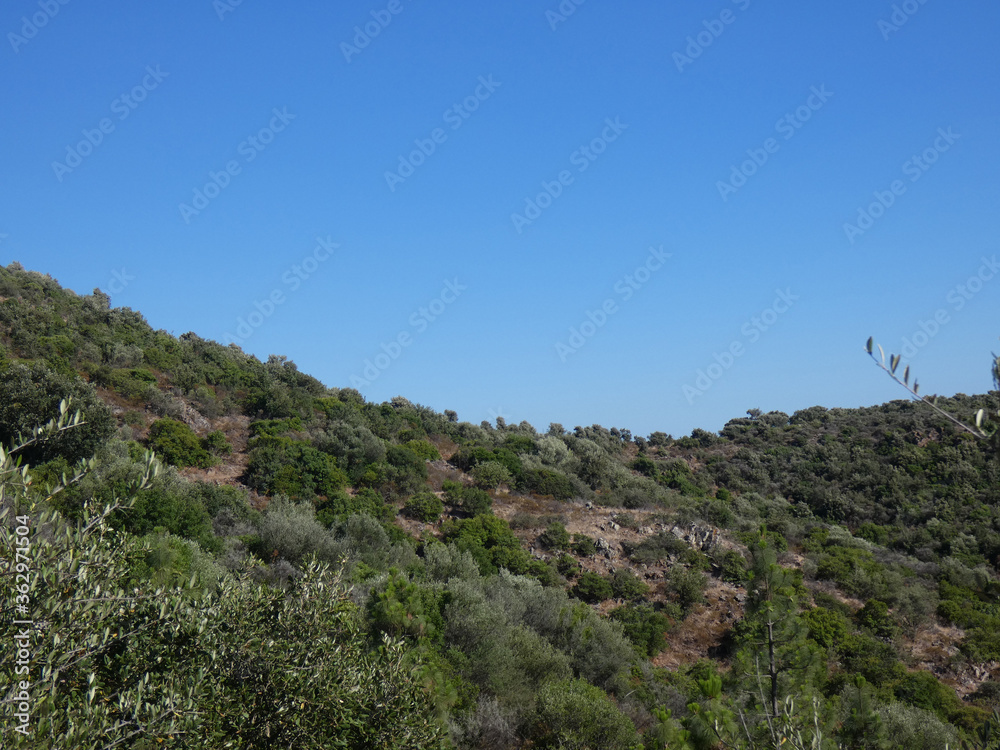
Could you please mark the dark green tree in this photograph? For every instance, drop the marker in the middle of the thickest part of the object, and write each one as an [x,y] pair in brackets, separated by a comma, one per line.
[30,396]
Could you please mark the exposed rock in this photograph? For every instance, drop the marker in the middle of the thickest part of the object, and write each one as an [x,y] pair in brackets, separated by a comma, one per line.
[193,418]
[606,548]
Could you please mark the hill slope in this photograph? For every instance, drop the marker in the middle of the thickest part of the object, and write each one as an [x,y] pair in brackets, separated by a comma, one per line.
[541,578]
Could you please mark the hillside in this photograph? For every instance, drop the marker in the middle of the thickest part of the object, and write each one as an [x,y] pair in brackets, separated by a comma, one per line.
[504,586]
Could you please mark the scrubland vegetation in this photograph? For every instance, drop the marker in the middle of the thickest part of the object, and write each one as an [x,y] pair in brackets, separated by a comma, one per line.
[248,558]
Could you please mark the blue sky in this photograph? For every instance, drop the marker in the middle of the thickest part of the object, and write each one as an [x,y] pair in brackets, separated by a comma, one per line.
[628,214]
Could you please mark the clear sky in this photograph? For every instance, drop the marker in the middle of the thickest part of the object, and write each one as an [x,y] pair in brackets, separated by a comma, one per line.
[644,215]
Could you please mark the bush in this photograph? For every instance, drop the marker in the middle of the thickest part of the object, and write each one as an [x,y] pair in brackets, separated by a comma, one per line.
[575,714]
[555,537]
[340,505]
[490,542]
[923,690]
[657,548]
[471,500]
[644,465]
[291,532]
[134,384]
[687,586]
[424,506]
[476,502]
[216,443]
[733,567]
[424,449]
[296,469]
[873,659]
[548,482]
[178,445]
[583,545]
[490,474]
[407,472]
[916,729]
[627,585]
[874,617]
[828,628]
[592,588]
[567,566]
[644,626]
[173,507]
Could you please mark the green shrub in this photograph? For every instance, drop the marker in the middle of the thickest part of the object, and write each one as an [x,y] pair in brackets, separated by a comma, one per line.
[216,498]
[172,507]
[296,469]
[644,626]
[472,500]
[916,729]
[575,714]
[875,660]
[583,545]
[733,567]
[567,566]
[548,482]
[424,506]
[828,628]
[452,491]
[687,586]
[592,588]
[874,617]
[424,449]
[491,543]
[340,505]
[178,445]
[627,585]
[490,474]
[555,537]
[275,427]
[924,690]
[400,607]
[873,533]
[290,531]
[644,465]
[659,547]
[476,502]
[133,383]
[406,472]
[854,570]
[216,443]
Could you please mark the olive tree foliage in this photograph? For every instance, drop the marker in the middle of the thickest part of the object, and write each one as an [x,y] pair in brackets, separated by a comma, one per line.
[290,531]
[355,445]
[444,562]
[573,714]
[912,728]
[985,424]
[553,452]
[31,394]
[114,659]
[95,638]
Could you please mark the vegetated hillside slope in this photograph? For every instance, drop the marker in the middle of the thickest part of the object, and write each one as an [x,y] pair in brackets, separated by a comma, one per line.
[569,586]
